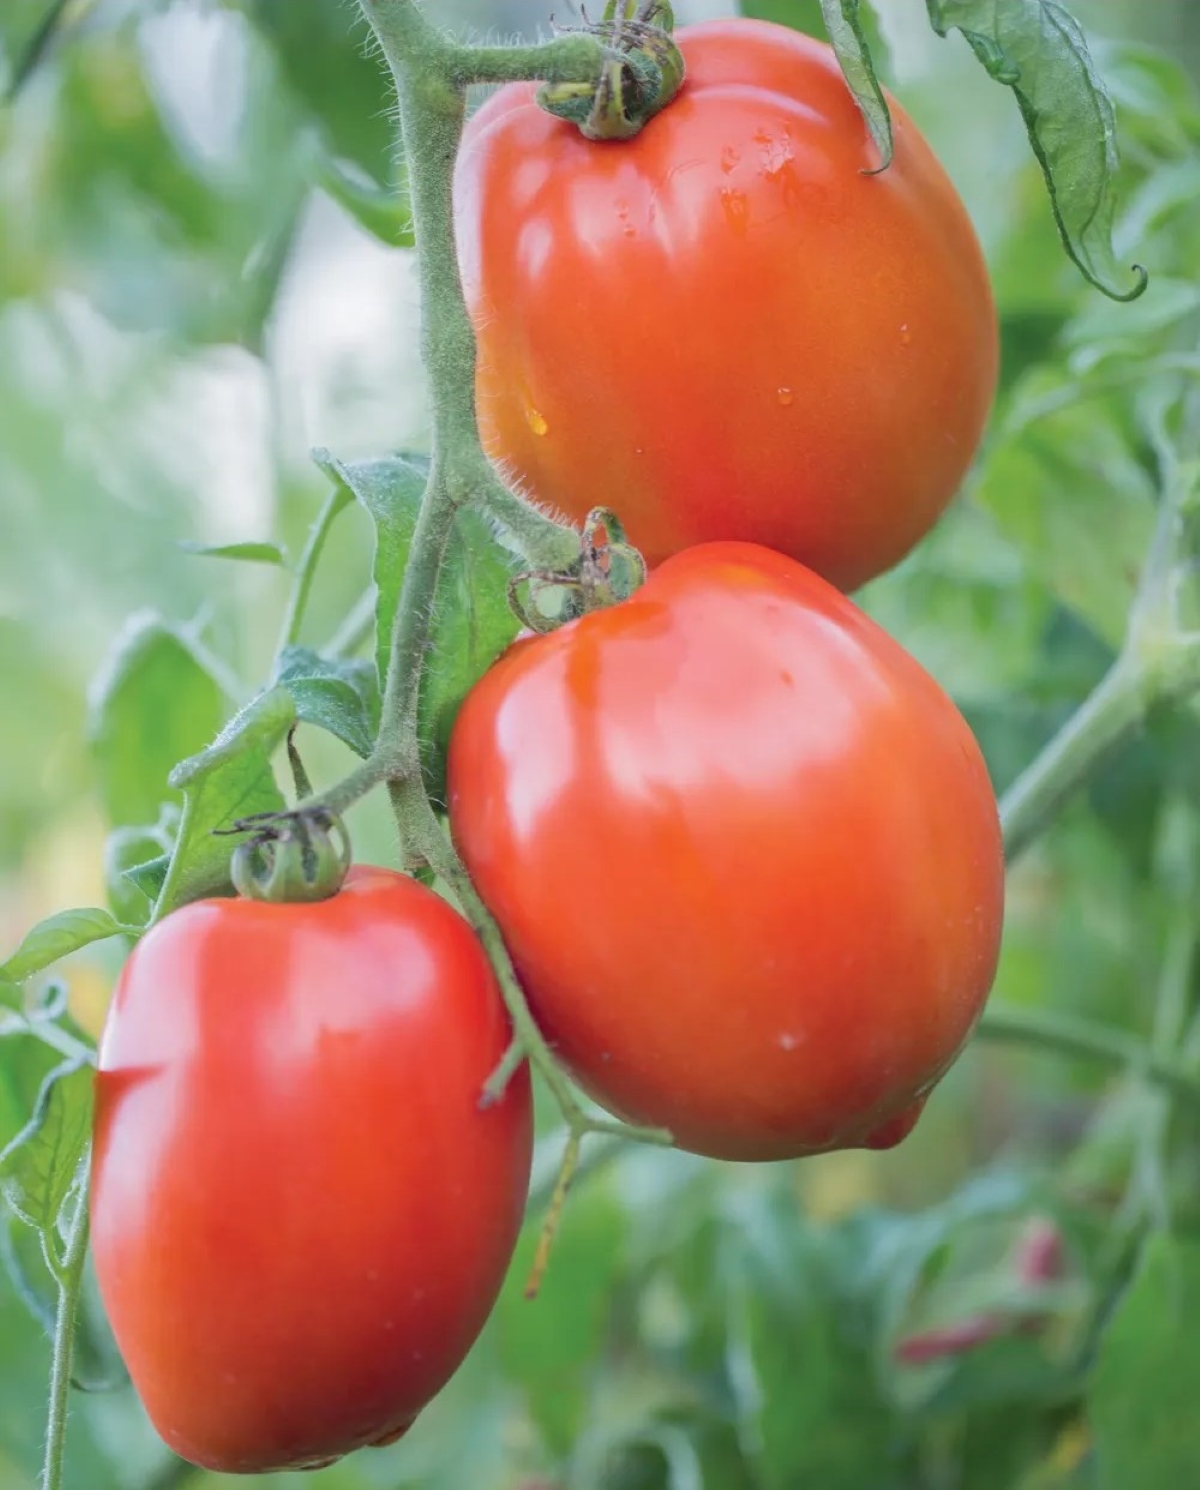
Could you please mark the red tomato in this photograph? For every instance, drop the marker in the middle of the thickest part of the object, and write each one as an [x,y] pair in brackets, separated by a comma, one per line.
[724,328]
[301,1218]
[745,853]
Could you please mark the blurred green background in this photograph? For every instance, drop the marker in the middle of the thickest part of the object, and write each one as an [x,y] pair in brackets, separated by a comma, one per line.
[188,303]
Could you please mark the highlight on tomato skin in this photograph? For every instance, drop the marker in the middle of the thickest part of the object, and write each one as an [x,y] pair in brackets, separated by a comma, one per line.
[301,1217]
[745,853]
[733,325]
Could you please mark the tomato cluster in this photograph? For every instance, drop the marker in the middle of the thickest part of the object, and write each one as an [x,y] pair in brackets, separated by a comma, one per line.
[743,849]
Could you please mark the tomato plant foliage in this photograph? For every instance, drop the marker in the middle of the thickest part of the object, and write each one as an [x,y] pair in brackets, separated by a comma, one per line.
[1005,1301]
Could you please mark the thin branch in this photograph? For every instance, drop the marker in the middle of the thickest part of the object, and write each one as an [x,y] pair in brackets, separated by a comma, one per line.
[1063,1035]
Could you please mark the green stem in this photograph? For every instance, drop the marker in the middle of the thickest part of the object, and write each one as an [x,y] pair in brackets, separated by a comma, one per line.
[541,540]
[50,1032]
[289,635]
[568,59]
[1152,670]
[600,1154]
[421,833]
[1114,710]
[432,111]
[70,1287]
[1064,1035]
[430,75]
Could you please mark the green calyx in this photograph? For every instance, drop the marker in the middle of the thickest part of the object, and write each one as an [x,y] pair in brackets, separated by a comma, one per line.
[609,570]
[642,73]
[291,857]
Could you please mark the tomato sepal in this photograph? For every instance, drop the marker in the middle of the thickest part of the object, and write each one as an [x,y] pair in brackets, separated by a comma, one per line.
[297,857]
[642,74]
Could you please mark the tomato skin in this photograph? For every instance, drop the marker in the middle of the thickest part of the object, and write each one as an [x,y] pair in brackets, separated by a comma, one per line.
[745,854]
[723,328]
[300,1216]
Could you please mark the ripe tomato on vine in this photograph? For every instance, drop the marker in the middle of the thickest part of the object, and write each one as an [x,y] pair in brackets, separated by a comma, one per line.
[301,1216]
[744,852]
[732,326]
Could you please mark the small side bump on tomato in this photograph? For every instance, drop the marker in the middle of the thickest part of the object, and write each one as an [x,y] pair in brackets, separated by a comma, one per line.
[897,1128]
[389,1438]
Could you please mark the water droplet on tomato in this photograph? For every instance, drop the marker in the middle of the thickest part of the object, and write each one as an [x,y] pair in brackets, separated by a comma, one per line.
[785,396]
[737,213]
[905,335]
[535,420]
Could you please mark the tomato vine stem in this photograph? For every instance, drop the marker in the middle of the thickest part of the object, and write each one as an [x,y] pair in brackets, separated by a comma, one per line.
[1159,663]
[70,1286]
[423,835]
[1062,1034]
[431,74]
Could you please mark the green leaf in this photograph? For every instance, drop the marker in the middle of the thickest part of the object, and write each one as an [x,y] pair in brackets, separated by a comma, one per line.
[127,851]
[844,25]
[96,1363]
[965,606]
[1068,489]
[1141,1401]
[473,624]
[1038,49]
[57,937]
[156,235]
[390,489]
[149,876]
[550,1346]
[34,1284]
[27,30]
[383,212]
[340,81]
[38,1167]
[472,620]
[337,695]
[232,779]
[800,15]
[252,553]
[154,704]
[25,1062]
[800,1309]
